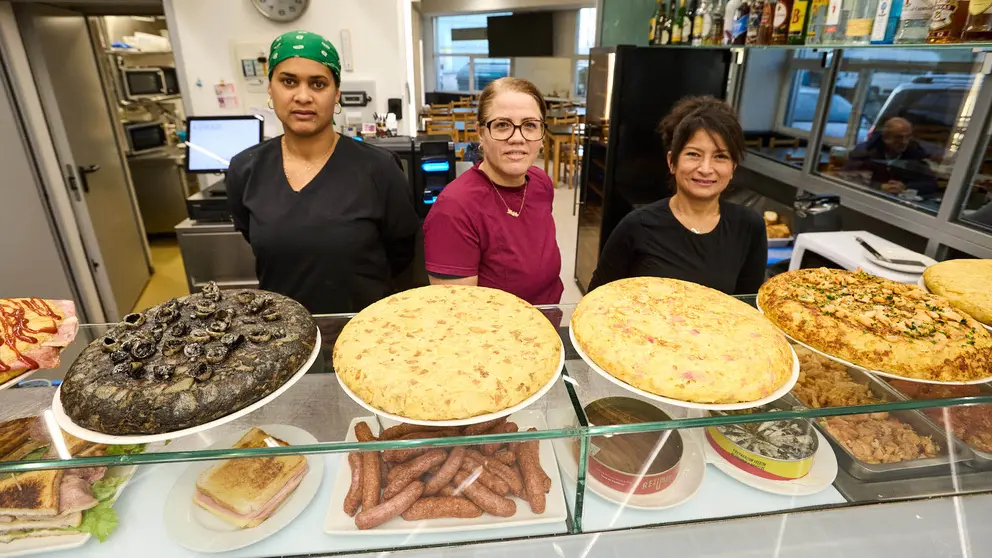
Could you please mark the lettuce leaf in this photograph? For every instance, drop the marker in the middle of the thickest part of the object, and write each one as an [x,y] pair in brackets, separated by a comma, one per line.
[99,521]
[126,449]
[105,489]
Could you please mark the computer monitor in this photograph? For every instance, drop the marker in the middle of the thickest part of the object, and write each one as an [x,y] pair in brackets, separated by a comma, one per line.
[213,140]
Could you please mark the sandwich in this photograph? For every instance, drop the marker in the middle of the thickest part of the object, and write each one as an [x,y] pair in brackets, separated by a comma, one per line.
[245,492]
[53,326]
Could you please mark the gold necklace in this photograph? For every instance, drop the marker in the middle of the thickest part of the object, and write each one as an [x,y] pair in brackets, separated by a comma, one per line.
[306,166]
[677,210]
[509,211]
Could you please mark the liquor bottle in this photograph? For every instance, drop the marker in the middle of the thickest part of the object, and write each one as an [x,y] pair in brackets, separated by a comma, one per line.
[798,22]
[677,24]
[754,21]
[729,18]
[666,29]
[767,17]
[699,22]
[883,31]
[914,21]
[780,22]
[833,28]
[860,21]
[817,20]
[717,15]
[947,21]
[979,25]
[653,26]
[687,21]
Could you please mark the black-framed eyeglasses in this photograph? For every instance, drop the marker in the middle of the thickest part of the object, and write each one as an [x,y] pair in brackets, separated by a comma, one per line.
[502,129]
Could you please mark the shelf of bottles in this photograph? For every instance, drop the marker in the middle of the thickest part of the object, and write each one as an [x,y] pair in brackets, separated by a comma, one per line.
[834,23]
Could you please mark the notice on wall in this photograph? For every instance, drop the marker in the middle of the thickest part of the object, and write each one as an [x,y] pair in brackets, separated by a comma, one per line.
[227,97]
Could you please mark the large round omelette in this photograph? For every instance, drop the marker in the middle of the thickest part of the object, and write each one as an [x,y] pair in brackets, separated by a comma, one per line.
[682,341]
[878,324]
[447,352]
[966,283]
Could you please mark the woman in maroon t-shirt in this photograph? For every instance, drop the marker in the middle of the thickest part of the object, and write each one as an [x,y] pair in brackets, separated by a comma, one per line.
[492,226]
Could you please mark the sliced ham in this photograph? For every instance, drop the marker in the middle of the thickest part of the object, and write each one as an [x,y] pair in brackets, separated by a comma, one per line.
[89,474]
[75,495]
[58,522]
[69,326]
[6,519]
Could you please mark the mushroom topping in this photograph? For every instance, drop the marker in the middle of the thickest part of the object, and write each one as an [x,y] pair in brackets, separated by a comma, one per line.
[143,348]
[199,335]
[218,327]
[232,340]
[259,335]
[158,332]
[134,319]
[166,315]
[201,372]
[132,369]
[259,304]
[279,333]
[204,308]
[224,315]
[118,357]
[216,353]
[164,371]
[172,346]
[109,344]
[245,297]
[271,316]
[193,350]
[179,329]
[211,292]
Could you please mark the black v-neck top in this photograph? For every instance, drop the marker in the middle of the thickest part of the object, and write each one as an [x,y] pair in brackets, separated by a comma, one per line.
[651,242]
[335,245]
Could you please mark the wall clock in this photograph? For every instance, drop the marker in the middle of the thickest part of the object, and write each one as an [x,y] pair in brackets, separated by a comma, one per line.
[281,10]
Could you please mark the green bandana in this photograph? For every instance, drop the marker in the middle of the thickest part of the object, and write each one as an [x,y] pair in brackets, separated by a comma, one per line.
[305,45]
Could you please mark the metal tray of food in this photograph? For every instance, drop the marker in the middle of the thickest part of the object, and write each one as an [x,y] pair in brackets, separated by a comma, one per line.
[980,459]
[911,468]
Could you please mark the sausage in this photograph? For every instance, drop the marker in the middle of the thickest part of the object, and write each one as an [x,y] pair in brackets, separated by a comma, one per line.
[547,481]
[363,433]
[371,475]
[354,497]
[447,472]
[511,477]
[476,429]
[404,455]
[448,490]
[394,432]
[411,471]
[506,457]
[373,517]
[530,467]
[487,479]
[483,497]
[438,507]
[433,470]
[505,428]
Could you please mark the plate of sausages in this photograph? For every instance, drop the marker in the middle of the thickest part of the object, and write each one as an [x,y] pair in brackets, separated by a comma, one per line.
[425,490]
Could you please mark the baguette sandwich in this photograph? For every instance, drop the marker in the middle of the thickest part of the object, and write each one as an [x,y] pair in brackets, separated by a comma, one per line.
[245,492]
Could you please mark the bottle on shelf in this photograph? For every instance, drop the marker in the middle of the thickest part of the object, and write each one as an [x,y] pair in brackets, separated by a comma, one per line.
[687,23]
[883,31]
[653,25]
[798,22]
[677,20]
[754,21]
[979,24]
[816,21]
[948,20]
[780,22]
[699,22]
[767,19]
[729,20]
[833,26]
[860,21]
[717,11]
[914,21]
[666,26]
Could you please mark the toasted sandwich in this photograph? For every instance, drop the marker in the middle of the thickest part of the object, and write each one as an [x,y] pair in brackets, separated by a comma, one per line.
[33,495]
[13,435]
[245,492]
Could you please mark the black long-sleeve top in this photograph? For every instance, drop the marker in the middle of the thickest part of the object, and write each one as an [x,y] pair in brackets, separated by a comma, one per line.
[335,245]
[651,242]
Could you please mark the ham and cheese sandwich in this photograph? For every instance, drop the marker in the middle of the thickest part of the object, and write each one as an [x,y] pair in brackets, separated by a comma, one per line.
[33,333]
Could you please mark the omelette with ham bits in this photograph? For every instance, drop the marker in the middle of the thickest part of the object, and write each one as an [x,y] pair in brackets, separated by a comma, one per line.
[878,324]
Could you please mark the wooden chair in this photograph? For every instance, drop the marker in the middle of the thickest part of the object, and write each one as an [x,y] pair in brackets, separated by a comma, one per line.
[464,102]
[441,127]
[573,156]
[471,133]
[569,119]
[442,110]
[783,142]
[755,143]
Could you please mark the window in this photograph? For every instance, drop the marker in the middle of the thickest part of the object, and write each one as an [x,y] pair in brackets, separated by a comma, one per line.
[471,69]
[581,75]
[585,39]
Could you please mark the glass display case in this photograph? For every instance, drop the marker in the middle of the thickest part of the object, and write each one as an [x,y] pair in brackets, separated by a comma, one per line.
[615,461]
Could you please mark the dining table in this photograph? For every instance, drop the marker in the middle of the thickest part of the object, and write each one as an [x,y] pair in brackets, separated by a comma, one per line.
[555,135]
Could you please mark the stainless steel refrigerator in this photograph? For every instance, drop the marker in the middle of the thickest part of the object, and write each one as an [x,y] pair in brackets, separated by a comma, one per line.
[629,90]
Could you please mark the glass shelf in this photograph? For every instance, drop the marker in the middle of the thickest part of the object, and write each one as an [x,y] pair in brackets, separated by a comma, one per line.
[834,46]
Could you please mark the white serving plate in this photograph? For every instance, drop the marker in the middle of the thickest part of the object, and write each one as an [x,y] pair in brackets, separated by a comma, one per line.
[692,470]
[93,436]
[819,478]
[777,394]
[27,547]
[923,285]
[462,422]
[16,379]
[879,372]
[200,531]
[339,523]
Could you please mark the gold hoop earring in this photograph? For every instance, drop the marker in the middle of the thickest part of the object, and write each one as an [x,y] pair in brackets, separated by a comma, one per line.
[269,104]
[339,109]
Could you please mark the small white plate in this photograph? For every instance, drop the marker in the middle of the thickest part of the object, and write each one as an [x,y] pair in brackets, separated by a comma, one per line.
[921,283]
[16,379]
[692,469]
[819,478]
[339,523]
[27,547]
[462,422]
[786,387]
[878,372]
[902,254]
[200,531]
[93,436]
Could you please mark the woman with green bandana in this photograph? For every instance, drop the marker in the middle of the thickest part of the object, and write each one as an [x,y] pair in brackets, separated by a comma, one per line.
[330,219]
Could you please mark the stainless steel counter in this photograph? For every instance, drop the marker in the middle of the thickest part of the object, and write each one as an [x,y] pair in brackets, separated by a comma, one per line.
[214,251]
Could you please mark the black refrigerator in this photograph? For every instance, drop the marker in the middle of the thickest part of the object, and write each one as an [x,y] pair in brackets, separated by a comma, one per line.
[629,90]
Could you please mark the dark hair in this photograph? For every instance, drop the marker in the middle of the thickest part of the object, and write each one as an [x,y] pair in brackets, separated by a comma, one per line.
[692,114]
[500,85]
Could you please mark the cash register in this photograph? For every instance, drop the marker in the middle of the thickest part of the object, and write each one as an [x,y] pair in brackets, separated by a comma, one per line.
[211,143]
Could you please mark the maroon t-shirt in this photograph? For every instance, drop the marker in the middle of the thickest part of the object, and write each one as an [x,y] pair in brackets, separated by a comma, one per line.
[469,232]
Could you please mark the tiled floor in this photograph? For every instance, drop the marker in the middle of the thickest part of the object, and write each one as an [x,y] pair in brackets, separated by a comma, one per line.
[169,279]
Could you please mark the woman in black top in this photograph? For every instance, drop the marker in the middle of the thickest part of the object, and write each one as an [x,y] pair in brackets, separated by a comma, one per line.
[693,236]
[330,219]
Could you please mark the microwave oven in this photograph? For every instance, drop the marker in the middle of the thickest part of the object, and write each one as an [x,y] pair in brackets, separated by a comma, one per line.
[145,136]
[140,83]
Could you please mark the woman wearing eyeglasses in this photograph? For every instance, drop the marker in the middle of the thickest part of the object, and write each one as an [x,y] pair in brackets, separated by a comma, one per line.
[492,226]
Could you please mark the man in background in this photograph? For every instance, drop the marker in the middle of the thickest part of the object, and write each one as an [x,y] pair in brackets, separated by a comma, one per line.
[897,162]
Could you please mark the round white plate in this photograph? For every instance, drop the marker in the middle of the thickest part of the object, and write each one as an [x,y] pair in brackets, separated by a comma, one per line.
[786,388]
[462,422]
[100,438]
[820,477]
[16,380]
[900,254]
[692,469]
[200,531]
[920,282]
